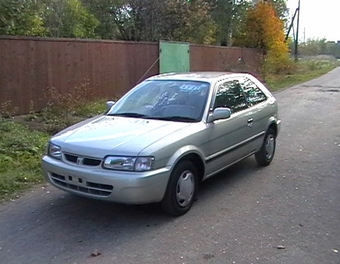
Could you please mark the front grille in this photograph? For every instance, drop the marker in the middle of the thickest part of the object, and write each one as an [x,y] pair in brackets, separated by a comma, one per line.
[71,158]
[89,187]
[99,185]
[82,160]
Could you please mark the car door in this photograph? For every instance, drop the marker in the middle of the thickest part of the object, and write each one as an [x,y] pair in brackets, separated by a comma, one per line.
[229,138]
[257,101]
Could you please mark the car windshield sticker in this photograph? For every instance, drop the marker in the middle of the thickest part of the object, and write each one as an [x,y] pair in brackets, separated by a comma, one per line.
[192,87]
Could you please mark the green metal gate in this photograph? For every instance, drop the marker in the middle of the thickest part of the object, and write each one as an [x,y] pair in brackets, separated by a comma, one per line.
[174,57]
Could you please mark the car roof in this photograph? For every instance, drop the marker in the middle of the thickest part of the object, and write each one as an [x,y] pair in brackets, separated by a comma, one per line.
[197,76]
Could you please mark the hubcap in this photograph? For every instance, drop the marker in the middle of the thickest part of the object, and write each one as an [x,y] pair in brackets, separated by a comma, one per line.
[270,146]
[185,188]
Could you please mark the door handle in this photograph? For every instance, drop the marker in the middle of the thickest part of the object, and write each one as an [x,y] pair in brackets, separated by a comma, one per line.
[250,122]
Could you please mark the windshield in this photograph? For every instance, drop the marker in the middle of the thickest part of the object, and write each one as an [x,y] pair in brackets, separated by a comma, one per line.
[164,99]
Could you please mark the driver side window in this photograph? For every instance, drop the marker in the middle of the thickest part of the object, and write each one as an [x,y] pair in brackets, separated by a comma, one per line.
[230,94]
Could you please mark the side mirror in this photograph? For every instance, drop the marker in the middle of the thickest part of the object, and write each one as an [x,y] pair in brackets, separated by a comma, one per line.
[109,104]
[219,113]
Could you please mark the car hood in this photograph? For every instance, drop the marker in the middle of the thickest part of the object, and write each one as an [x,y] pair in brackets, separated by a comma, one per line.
[108,135]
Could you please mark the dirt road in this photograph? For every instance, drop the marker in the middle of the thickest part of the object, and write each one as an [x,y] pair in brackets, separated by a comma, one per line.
[288,212]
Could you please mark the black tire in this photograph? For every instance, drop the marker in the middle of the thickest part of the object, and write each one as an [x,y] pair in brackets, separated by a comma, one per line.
[266,154]
[181,190]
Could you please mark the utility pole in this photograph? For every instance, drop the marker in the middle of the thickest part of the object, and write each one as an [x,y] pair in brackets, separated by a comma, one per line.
[297,33]
[292,24]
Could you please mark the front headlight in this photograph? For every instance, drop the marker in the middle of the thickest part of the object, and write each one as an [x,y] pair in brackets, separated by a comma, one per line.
[54,151]
[128,163]
[144,163]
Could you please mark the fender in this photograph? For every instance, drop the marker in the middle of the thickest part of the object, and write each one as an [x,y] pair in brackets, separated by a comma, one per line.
[182,152]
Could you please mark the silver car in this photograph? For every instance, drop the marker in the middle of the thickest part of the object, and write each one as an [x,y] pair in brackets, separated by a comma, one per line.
[164,137]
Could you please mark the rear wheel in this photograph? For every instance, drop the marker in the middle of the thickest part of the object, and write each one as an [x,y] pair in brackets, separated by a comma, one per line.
[181,189]
[266,154]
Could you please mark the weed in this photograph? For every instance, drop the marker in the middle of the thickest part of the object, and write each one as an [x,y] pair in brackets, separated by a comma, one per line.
[20,154]
[7,110]
[22,144]
[32,115]
[24,138]
[65,109]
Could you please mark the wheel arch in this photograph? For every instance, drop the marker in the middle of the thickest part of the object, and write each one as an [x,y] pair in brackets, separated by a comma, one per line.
[273,126]
[198,163]
[178,204]
[193,155]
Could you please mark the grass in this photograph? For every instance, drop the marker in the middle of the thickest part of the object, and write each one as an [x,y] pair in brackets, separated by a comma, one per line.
[306,69]
[24,138]
[20,154]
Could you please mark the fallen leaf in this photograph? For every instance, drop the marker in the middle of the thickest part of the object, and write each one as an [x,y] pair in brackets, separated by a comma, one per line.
[95,253]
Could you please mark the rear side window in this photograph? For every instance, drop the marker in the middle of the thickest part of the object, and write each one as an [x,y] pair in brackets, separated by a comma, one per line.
[229,94]
[253,93]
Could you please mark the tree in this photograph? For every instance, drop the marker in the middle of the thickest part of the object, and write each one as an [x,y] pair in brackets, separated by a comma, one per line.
[313,47]
[228,15]
[141,20]
[153,20]
[21,17]
[196,24]
[68,18]
[281,9]
[264,30]
[53,18]
[104,11]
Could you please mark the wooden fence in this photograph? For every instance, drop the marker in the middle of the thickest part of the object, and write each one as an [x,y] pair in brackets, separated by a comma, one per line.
[29,66]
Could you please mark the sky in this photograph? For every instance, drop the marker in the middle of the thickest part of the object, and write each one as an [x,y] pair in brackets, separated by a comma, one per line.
[318,19]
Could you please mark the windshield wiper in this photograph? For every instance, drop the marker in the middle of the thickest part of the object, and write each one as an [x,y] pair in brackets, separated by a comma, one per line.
[128,115]
[174,118]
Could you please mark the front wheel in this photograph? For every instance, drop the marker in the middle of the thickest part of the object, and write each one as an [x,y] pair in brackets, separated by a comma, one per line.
[266,154]
[181,190]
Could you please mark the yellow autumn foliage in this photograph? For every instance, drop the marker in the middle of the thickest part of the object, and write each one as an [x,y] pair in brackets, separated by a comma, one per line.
[264,30]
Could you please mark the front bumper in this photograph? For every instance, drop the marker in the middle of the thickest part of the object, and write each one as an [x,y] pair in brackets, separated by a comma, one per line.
[98,183]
